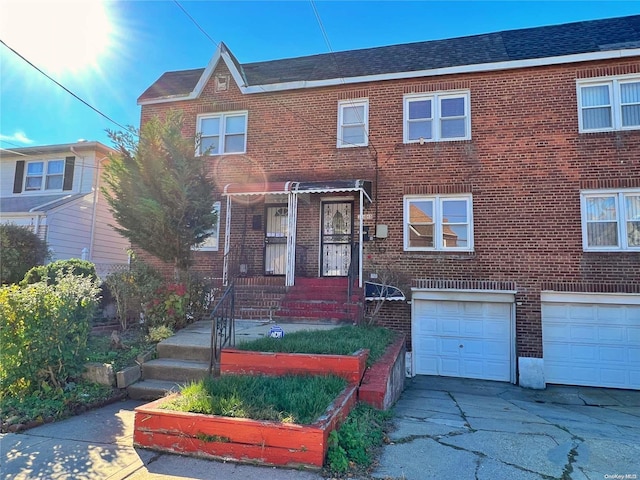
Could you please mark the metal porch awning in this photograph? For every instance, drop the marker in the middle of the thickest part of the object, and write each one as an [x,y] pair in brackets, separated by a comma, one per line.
[270,188]
[378,291]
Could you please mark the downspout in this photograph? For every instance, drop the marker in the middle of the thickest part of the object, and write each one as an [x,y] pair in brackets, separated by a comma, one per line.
[95,206]
[361,246]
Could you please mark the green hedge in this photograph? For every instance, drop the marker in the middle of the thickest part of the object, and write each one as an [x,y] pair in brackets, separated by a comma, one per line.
[43,333]
[21,249]
[52,270]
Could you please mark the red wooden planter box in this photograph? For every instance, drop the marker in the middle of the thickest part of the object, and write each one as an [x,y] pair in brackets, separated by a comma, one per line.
[240,439]
[349,367]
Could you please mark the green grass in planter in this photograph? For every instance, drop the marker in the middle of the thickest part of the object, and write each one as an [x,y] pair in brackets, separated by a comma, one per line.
[296,399]
[337,341]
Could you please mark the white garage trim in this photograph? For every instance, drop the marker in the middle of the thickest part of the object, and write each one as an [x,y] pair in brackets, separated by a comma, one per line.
[591,339]
[585,297]
[484,298]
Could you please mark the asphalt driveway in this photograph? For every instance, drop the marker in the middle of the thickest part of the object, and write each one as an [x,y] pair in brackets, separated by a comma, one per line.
[445,428]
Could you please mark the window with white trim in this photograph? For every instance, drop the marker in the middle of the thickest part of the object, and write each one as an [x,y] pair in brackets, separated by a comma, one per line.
[438,222]
[222,133]
[609,104]
[611,220]
[43,175]
[212,243]
[437,117]
[353,123]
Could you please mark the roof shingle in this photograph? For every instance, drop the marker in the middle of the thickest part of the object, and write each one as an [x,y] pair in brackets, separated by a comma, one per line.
[512,45]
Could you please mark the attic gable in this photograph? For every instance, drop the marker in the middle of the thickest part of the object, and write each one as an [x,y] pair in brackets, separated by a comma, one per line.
[188,84]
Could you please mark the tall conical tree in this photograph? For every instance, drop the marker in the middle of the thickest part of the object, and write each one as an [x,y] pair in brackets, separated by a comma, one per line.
[159,192]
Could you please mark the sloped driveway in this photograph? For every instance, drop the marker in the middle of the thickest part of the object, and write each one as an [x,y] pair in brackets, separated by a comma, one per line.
[469,429]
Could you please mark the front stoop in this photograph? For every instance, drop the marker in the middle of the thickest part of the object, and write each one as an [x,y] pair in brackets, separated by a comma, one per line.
[313,300]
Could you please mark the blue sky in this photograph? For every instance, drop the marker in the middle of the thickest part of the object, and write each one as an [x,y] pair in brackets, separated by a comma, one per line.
[107,53]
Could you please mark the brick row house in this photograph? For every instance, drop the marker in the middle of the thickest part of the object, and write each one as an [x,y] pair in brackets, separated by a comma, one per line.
[498,175]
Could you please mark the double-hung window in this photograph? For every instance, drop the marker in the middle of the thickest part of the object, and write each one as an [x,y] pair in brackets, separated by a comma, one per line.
[212,243]
[439,222]
[222,133]
[611,220]
[437,117]
[609,104]
[43,175]
[353,123]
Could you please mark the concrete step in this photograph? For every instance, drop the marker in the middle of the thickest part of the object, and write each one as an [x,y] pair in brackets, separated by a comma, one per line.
[151,389]
[184,350]
[171,369]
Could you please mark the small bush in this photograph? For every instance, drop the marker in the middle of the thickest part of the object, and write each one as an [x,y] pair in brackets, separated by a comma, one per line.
[43,333]
[132,289]
[159,333]
[53,270]
[21,250]
[356,439]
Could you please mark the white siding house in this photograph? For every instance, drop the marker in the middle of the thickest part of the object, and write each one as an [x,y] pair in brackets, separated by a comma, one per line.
[55,189]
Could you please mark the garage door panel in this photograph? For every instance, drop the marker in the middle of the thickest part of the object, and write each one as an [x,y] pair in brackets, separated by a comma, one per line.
[463,339]
[592,345]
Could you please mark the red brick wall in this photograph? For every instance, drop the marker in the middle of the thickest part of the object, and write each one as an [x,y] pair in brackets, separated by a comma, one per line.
[524,166]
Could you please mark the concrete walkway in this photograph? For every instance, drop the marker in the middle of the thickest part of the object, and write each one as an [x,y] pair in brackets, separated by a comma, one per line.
[445,428]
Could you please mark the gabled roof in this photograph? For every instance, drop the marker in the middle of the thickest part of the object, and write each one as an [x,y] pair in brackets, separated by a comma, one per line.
[36,203]
[571,42]
[65,148]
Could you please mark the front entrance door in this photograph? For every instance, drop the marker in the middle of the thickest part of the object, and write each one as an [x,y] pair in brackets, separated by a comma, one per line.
[275,240]
[336,238]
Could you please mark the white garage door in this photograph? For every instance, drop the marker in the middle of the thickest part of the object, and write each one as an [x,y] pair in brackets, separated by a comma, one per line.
[592,344]
[470,339]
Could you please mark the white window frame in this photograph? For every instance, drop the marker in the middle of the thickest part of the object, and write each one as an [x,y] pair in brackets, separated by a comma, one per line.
[613,84]
[436,117]
[212,243]
[44,177]
[364,123]
[222,135]
[438,244]
[619,197]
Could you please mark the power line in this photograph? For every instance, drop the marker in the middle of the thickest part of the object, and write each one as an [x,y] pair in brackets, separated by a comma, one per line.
[195,23]
[333,57]
[66,89]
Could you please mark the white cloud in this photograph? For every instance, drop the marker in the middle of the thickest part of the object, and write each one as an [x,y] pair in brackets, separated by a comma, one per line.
[18,136]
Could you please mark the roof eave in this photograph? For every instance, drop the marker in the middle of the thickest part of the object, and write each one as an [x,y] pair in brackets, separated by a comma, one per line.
[462,69]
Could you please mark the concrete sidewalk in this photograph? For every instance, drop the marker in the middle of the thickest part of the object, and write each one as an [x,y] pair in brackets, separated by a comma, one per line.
[444,428]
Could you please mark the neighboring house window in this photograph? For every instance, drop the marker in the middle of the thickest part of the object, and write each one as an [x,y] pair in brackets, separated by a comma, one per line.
[607,105]
[353,123]
[44,175]
[438,223]
[211,244]
[611,220]
[436,117]
[223,133]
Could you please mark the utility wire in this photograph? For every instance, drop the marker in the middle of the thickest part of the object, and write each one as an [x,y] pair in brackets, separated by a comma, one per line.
[331,52]
[67,90]
[195,23]
[297,115]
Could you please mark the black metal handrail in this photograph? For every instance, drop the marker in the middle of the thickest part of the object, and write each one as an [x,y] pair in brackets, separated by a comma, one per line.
[222,325]
[354,268]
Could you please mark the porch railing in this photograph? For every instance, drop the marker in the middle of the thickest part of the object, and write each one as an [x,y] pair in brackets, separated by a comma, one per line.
[354,268]
[222,326]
